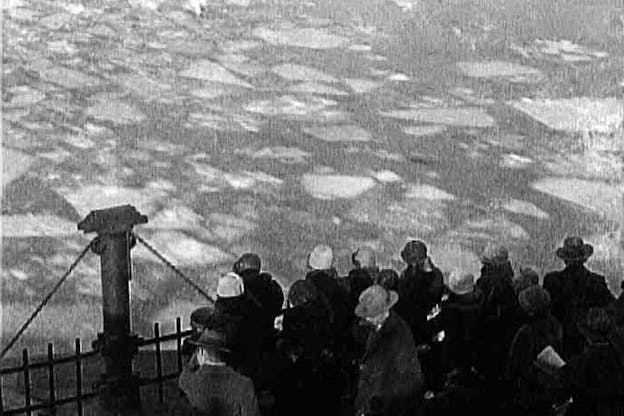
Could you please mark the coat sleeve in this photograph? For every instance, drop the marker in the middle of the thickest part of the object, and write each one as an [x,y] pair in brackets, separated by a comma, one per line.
[520,356]
[603,295]
[251,407]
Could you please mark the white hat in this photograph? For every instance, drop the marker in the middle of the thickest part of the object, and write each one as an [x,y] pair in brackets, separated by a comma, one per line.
[461,283]
[321,257]
[230,285]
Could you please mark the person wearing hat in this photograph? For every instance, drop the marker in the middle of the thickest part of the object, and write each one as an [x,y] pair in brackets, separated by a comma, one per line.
[500,314]
[364,271]
[390,380]
[262,289]
[595,377]
[574,290]
[201,318]
[211,386]
[239,318]
[305,385]
[421,287]
[324,276]
[527,392]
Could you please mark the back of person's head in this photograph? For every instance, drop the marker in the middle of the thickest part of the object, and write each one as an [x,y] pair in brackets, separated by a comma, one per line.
[528,277]
[414,252]
[247,262]
[598,325]
[388,279]
[535,301]
[230,285]
[302,292]
[364,258]
[321,258]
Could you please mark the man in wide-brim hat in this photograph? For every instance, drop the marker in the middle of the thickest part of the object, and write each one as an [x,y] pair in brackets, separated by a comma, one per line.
[390,380]
[574,290]
[211,386]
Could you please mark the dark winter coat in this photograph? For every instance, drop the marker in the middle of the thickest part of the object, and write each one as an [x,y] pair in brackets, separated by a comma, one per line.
[595,379]
[306,330]
[573,291]
[524,379]
[390,380]
[500,317]
[239,319]
[335,297]
[419,292]
[265,291]
[358,280]
[219,391]
[459,318]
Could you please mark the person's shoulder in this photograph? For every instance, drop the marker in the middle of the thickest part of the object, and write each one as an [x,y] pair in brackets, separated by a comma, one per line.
[552,276]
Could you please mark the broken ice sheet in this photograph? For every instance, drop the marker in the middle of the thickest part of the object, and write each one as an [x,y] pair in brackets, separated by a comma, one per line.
[302,73]
[328,186]
[339,133]
[287,155]
[312,38]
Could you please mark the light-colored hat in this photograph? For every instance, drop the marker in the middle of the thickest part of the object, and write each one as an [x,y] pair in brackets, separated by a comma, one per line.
[230,285]
[374,301]
[321,257]
[461,283]
[495,254]
[364,258]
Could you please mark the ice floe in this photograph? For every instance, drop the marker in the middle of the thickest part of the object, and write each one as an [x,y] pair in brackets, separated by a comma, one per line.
[362,86]
[339,133]
[580,114]
[116,111]
[589,164]
[176,217]
[316,88]
[428,192]
[514,161]
[360,48]
[143,86]
[596,196]
[398,77]
[68,78]
[295,72]
[327,187]
[420,131]
[92,197]
[80,142]
[229,122]
[24,96]
[14,164]
[210,91]
[304,107]
[524,208]
[485,230]
[229,228]
[30,225]
[386,176]
[181,250]
[288,155]
[301,37]
[211,71]
[461,116]
[500,69]
[250,180]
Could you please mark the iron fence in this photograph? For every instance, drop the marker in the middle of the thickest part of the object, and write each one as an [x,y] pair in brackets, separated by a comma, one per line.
[47,400]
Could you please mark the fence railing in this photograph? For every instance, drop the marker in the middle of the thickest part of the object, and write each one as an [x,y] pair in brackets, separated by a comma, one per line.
[47,398]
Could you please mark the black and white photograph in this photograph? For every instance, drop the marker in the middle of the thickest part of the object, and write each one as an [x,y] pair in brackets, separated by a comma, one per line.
[312,208]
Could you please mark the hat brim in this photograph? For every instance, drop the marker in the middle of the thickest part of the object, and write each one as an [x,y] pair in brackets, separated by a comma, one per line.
[364,312]
[462,291]
[583,253]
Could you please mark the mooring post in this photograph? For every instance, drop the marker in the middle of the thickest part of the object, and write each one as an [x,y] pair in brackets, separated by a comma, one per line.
[118,386]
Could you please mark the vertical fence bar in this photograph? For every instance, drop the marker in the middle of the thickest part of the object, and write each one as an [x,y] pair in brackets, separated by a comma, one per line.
[179,343]
[51,381]
[78,378]
[27,402]
[159,370]
[1,398]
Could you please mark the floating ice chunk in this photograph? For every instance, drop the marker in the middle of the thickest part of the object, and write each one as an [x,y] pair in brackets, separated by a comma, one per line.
[80,142]
[360,48]
[182,250]
[386,176]
[210,71]
[315,88]
[24,96]
[14,164]
[327,187]
[229,228]
[488,229]
[514,161]
[143,86]
[30,225]
[588,164]
[248,180]
[576,58]
[398,77]
[362,86]
[68,78]
[301,37]
[241,45]
[490,69]
[524,208]
[302,73]
[596,196]
[305,107]
[92,197]
[281,153]
[420,131]
[345,133]
[209,92]
[580,114]
[462,116]
[116,111]
[176,217]
[428,192]
[239,3]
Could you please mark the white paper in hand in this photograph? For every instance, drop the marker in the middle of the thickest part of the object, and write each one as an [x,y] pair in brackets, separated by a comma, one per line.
[549,358]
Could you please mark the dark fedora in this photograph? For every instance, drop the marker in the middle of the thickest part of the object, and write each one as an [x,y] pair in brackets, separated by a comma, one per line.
[574,248]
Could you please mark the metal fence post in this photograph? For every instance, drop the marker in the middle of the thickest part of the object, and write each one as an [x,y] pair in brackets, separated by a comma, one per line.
[118,386]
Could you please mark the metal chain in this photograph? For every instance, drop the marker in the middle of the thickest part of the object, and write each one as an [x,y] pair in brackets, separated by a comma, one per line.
[46,299]
[172,267]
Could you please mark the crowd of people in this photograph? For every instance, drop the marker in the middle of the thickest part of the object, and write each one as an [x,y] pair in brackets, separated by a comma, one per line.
[376,343]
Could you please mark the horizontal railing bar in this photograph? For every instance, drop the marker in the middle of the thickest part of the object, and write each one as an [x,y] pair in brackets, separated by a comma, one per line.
[40,364]
[170,337]
[42,406]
